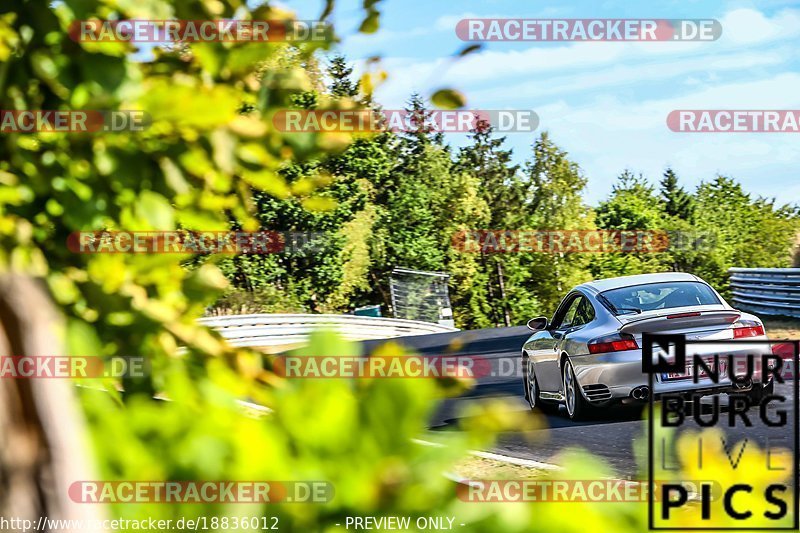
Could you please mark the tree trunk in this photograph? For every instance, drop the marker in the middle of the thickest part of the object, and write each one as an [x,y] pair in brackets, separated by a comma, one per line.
[797,251]
[42,433]
[503,302]
[490,289]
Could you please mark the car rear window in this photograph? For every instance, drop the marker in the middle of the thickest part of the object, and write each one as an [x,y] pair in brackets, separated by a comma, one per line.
[660,296]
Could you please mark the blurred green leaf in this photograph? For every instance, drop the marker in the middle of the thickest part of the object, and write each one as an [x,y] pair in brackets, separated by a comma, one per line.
[371,23]
[448,99]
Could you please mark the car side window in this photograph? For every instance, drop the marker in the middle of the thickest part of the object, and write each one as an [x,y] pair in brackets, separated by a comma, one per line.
[584,314]
[578,312]
[568,317]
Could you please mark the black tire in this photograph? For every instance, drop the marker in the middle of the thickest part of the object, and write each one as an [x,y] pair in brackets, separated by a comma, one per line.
[532,391]
[577,406]
[757,393]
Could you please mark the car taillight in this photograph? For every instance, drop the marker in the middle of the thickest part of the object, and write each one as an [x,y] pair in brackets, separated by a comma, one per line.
[747,328]
[784,350]
[613,343]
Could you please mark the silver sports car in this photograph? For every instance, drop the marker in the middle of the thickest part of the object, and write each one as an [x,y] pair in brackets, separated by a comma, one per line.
[590,354]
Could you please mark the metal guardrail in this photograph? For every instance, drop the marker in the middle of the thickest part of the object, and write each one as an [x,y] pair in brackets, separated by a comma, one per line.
[291,329]
[768,291]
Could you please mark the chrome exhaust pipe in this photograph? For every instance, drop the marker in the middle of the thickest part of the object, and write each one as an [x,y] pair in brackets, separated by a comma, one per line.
[744,385]
[640,393]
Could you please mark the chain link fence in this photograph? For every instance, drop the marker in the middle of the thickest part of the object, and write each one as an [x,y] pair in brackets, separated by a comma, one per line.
[421,295]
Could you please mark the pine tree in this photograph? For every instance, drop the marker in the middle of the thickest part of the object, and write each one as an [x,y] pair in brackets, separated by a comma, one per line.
[504,192]
[677,202]
[501,186]
[422,131]
[341,86]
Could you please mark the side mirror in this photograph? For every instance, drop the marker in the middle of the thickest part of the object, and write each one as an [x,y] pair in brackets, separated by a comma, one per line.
[537,324]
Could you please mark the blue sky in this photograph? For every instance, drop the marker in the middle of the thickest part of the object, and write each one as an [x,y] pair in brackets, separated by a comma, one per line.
[605,103]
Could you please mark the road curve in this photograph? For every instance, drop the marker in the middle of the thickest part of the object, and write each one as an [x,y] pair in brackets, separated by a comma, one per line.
[610,437]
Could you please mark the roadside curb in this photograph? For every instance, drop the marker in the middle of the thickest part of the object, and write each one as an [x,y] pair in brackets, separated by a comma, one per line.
[518,461]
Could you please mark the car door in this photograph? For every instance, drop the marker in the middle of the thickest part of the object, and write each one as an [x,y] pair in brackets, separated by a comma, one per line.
[547,345]
[573,341]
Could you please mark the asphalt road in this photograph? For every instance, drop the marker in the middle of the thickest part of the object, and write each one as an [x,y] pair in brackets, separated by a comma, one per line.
[611,436]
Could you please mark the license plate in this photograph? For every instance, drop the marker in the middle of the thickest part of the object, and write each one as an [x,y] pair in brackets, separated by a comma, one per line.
[689,373]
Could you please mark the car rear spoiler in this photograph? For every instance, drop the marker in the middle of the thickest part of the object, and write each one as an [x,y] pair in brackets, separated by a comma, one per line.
[669,322]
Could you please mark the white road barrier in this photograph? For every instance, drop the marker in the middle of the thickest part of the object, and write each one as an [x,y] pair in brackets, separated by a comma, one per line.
[272,331]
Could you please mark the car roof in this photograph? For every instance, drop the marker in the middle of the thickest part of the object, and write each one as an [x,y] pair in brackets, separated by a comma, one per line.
[601,285]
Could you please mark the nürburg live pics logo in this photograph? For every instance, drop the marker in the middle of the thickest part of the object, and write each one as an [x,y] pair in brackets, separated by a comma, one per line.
[725,411]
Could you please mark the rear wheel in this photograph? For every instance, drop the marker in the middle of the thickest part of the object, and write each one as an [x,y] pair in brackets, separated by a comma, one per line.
[577,407]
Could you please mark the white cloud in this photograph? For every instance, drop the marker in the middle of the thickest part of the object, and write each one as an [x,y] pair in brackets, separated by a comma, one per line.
[612,76]
[610,135]
[742,29]
[607,103]
[750,26]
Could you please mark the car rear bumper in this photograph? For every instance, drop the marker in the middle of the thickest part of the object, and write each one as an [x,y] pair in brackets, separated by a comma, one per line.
[613,376]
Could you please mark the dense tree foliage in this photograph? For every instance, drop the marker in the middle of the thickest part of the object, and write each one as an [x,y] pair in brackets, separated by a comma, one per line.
[400,197]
